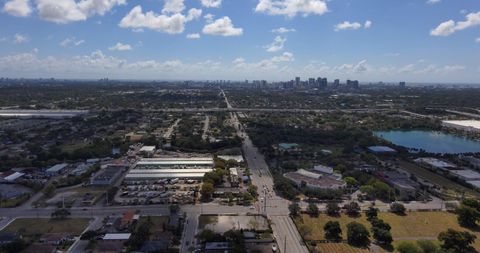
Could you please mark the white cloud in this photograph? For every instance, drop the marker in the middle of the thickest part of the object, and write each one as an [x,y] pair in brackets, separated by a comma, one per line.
[209,17]
[193,36]
[120,47]
[433,1]
[449,27]
[222,26]
[173,24]
[291,8]
[367,24]
[392,54]
[276,45]
[212,3]
[71,41]
[173,6]
[19,38]
[285,57]
[477,40]
[283,30]
[18,8]
[65,11]
[346,25]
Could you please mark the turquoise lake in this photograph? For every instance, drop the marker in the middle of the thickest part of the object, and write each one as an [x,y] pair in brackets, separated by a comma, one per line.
[430,141]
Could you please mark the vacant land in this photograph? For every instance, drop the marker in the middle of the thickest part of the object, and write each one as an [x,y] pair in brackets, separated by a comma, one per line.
[339,247]
[159,222]
[413,226]
[30,227]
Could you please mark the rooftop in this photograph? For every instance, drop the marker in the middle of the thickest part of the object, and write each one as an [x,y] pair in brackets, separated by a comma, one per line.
[381,149]
[464,123]
[117,236]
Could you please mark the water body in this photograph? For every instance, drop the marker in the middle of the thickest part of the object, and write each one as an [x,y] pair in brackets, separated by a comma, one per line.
[430,141]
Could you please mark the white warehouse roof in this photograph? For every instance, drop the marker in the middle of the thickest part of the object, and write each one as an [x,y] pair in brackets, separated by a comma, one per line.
[464,123]
[165,171]
[163,175]
[117,236]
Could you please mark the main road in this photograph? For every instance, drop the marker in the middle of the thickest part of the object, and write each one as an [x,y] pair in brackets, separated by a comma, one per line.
[275,207]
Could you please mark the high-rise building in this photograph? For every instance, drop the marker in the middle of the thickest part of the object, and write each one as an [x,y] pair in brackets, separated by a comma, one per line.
[311,82]
[297,81]
[402,84]
[336,83]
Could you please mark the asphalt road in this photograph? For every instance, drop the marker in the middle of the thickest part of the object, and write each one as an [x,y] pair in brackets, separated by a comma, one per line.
[275,207]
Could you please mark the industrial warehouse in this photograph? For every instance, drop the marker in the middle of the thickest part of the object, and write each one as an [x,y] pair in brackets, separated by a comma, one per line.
[170,168]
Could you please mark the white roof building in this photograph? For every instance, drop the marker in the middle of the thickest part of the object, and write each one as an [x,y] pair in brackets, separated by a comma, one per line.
[117,236]
[466,175]
[467,125]
[14,176]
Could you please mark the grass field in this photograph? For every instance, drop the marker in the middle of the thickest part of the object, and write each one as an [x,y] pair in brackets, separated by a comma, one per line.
[30,227]
[339,247]
[415,225]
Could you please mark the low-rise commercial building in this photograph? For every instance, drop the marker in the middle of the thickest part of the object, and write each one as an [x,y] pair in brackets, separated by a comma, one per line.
[314,180]
[57,169]
[464,125]
[108,175]
[435,163]
[170,168]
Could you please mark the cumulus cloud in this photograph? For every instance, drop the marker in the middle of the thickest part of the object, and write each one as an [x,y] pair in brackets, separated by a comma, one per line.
[449,27]
[65,11]
[18,8]
[291,8]
[120,47]
[276,45]
[433,1]
[283,30]
[212,3]
[223,27]
[71,41]
[193,36]
[173,6]
[368,24]
[172,24]
[347,25]
[19,38]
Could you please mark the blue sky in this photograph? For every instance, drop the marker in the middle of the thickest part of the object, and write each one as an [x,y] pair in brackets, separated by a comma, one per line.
[368,40]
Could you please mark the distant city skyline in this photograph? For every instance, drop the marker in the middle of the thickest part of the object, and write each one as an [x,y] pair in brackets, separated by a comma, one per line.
[417,41]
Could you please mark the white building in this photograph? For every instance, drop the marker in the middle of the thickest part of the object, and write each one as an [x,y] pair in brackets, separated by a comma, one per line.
[435,163]
[464,125]
[314,180]
[466,175]
[171,167]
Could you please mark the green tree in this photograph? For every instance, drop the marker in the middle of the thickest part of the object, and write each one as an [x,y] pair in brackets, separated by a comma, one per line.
[352,208]
[382,236]
[351,182]
[294,209]
[398,208]
[467,216]
[357,234]
[333,209]
[49,190]
[207,190]
[457,241]
[371,213]
[333,231]
[206,235]
[408,247]
[313,210]
[252,189]
[428,246]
